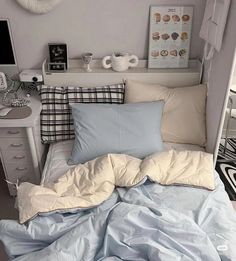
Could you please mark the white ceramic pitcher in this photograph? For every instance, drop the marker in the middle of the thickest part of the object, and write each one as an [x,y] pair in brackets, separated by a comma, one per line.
[120,62]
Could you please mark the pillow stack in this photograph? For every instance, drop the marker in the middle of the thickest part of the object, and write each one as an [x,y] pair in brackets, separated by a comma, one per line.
[152,113]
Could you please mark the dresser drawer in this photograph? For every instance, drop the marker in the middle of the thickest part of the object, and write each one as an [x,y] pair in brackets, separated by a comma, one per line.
[21,171]
[18,172]
[12,132]
[13,144]
[16,156]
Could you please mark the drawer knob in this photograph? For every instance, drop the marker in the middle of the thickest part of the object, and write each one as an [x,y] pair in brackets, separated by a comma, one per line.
[13,132]
[21,168]
[16,145]
[19,157]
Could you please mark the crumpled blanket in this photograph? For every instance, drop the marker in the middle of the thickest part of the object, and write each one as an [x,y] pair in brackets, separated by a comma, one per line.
[88,185]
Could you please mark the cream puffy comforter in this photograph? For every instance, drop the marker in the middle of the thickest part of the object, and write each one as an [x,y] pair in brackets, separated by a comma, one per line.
[87,185]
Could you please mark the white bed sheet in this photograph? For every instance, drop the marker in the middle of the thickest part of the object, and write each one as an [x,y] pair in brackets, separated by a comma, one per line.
[59,153]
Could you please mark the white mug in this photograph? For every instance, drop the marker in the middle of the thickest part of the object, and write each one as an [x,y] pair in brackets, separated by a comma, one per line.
[120,62]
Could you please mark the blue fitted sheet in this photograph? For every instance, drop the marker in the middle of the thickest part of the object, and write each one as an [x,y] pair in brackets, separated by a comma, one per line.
[149,222]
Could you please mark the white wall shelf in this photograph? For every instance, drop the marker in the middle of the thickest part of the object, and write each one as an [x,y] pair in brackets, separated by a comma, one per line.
[76,74]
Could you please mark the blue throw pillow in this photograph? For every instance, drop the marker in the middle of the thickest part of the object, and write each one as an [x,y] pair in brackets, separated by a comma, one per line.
[133,129]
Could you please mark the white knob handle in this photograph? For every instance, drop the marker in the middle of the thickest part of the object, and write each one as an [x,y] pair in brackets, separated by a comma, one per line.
[13,132]
[133,60]
[104,62]
[16,145]
[19,157]
[21,168]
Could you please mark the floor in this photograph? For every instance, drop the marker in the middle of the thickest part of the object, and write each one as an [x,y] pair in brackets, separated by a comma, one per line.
[7,210]
[7,202]
[227,169]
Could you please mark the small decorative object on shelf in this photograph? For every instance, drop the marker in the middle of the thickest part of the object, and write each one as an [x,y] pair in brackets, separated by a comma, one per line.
[87,58]
[120,61]
[169,36]
[58,57]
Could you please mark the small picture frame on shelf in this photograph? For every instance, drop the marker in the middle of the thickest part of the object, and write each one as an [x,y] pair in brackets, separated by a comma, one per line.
[169,36]
[57,57]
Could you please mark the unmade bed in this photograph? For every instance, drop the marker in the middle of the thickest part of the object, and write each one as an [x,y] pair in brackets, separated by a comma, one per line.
[146,222]
[124,181]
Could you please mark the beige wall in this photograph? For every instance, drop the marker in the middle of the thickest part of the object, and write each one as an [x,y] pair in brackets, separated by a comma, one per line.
[99,26]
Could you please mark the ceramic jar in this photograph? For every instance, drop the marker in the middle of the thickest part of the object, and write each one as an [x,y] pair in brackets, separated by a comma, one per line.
[120,62]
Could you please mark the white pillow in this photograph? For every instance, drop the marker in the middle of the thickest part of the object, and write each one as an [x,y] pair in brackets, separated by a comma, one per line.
[184,116]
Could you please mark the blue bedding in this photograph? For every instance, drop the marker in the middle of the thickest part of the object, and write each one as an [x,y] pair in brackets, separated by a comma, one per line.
[148,222]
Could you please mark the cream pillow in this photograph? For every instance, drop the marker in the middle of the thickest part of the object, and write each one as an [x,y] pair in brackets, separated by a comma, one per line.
[184,116]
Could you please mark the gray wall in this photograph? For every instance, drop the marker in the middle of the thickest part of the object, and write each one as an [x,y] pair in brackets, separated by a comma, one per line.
[99,26]
[219,81]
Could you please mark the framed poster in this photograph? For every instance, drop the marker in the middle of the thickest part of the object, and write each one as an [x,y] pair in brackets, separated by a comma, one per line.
[58,57]
[169,36]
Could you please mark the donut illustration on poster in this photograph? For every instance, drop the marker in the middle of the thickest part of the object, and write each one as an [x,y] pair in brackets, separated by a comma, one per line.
[170,36]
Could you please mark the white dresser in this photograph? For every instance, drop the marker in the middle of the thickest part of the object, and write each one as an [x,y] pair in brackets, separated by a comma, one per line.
[21,151]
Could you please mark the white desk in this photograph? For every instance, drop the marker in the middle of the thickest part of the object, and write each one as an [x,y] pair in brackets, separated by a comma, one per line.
[21,151]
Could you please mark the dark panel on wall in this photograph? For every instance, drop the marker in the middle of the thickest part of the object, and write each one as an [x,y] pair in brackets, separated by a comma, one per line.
[6,50]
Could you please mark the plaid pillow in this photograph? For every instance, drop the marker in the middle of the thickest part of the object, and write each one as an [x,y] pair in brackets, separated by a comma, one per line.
[56,118]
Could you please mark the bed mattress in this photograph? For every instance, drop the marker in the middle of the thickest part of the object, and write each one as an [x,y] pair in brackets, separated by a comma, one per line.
[59,153]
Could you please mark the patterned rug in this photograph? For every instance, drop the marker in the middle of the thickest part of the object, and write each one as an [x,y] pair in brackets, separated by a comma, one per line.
[227,170]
